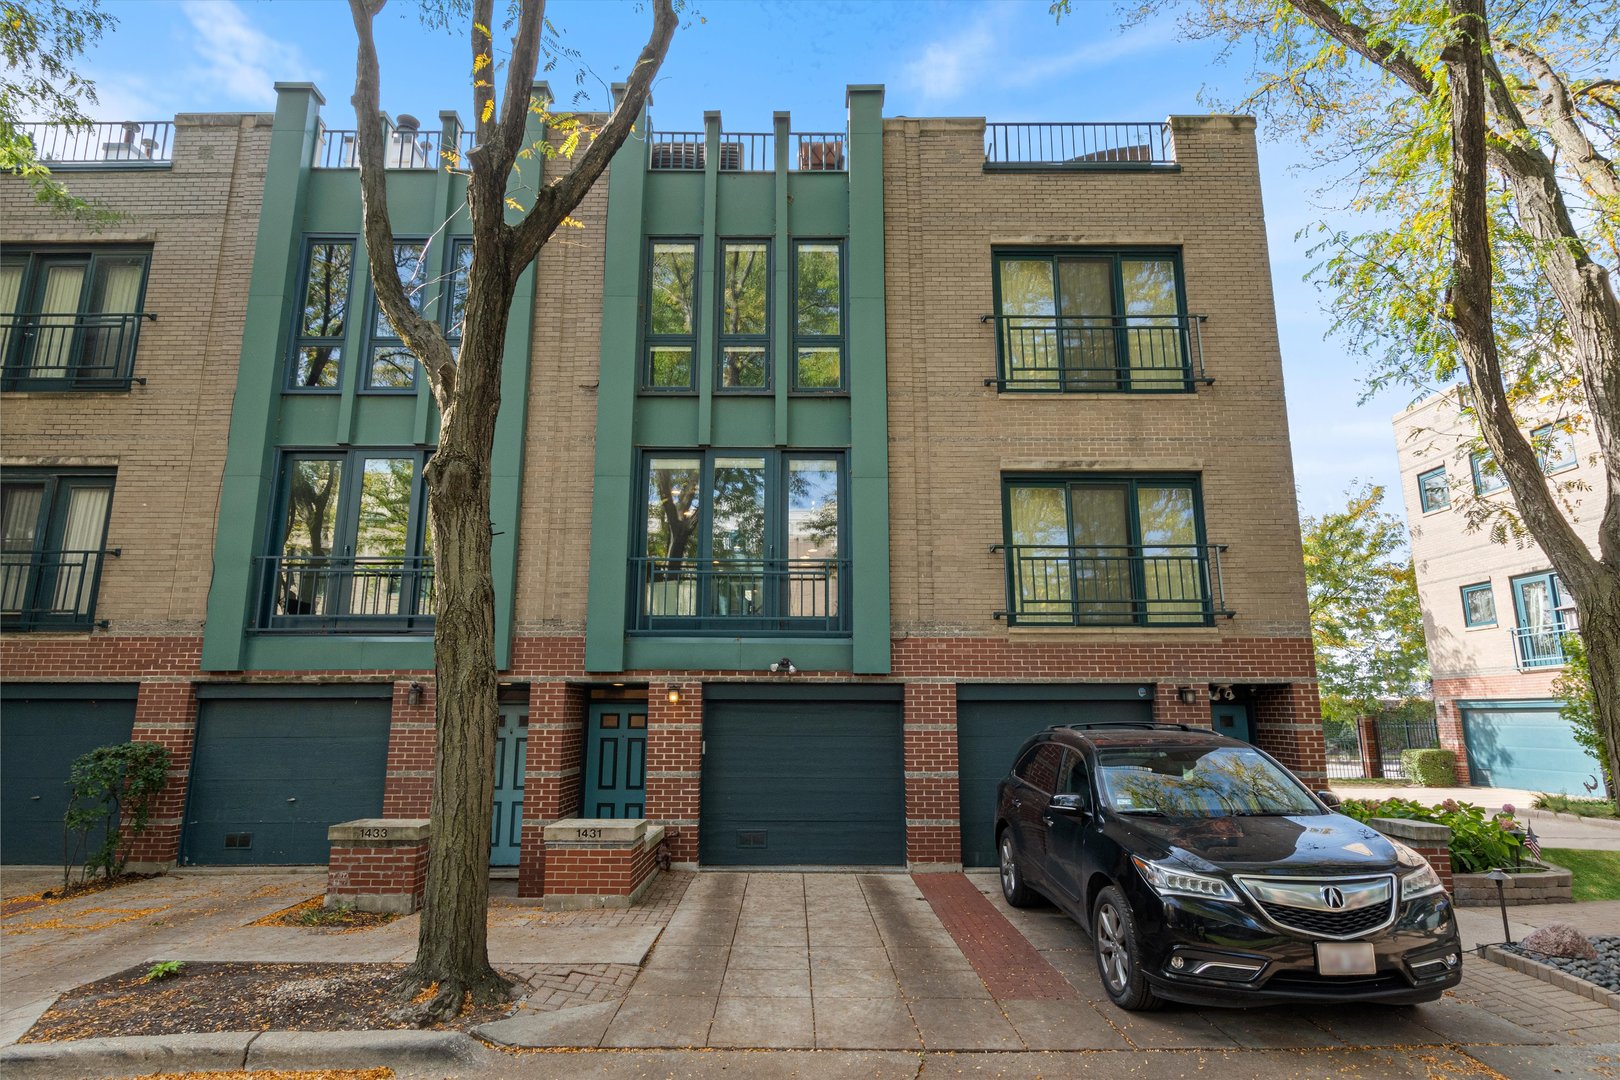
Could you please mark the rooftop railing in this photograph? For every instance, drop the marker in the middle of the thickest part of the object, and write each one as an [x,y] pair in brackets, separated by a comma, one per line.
[52,589]
[406,149]
[69,352]
[345,594]
[741,596]
[1098,353]
[1078,146]
[745,151]
[118,144]
[1121,585]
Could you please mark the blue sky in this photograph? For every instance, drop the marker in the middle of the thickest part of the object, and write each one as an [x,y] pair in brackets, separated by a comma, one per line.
[1002,59]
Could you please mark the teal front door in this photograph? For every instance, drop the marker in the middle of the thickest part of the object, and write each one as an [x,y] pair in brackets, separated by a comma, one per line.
[615,781]
[1232,720]
[506,821]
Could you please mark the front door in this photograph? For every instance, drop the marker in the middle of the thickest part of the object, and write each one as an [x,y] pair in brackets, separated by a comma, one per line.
[506,820]
[1232,720]
[615,779]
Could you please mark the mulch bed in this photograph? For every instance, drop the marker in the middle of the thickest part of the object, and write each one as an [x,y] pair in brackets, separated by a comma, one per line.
[311,914]
[206,996]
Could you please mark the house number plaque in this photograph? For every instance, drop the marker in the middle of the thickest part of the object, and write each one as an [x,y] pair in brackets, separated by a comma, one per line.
[588,834]
[374,834]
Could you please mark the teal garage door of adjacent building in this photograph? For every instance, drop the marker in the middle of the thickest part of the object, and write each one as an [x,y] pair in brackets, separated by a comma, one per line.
[1524,744]
[44,728]
[803,777]
[270,774]
[992,722]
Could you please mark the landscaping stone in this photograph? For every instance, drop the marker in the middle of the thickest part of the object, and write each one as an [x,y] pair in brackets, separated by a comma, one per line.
[1601,967]
[1554,885]
[1560,939]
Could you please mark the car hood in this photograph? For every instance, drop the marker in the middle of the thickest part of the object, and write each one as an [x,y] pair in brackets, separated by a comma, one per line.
[1306,844]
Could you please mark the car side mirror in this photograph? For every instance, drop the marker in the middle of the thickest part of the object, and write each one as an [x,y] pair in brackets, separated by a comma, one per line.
[1072,805]
[1328,798]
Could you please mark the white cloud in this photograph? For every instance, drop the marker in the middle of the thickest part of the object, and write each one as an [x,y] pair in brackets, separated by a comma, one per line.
[947,67]
[1098,53]
[237,57]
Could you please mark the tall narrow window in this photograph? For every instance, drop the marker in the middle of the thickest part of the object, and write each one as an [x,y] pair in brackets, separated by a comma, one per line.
[1487,474]
[392,366]
[53,532]
[1107,551]
[1091,321]
[671,310]
[1434,490]
[818,328]
[744,341]
[323,317]
[455,316]
[70,320]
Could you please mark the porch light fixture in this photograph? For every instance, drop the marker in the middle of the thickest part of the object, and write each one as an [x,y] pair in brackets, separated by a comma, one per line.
[783,665]
[1186,695]
[674,696]
[415,696]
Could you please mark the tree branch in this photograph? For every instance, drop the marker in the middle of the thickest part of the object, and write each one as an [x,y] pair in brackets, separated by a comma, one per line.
[422,336]
[558,200]
[1387,55]
[525,60]
[1557,110]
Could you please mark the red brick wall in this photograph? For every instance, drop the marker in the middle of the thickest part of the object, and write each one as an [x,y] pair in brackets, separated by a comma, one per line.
[1168,708]
[1288,726]
[551,773]
[587,871]
[408,785]
[165,713]
[383,870]
[933,799]
[1510,686]
[675,762]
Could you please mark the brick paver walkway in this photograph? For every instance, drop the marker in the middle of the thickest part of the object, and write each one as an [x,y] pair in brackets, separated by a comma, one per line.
[1004,958]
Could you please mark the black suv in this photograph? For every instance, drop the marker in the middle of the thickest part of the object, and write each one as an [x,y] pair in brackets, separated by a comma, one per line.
[1208,874]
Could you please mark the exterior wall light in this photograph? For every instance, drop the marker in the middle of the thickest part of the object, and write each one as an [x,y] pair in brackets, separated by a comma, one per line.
[1187,695]
[674,696]
[783,665]
[415,695]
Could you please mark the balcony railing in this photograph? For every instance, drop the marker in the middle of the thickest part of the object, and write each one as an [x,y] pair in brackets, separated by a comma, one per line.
[345,594]
[121,144]
[406,149]
[69,352]
[1093,354]
[1078,146]
[50,590]
[1158,585]
[741,596]
[1540,646]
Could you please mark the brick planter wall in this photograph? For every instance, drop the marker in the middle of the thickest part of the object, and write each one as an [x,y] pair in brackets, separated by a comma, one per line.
[1431,841]
[378,864]
[600,862]
[1551,886]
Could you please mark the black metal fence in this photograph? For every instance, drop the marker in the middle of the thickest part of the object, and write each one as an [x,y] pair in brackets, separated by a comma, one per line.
[346,594]
[1069,354]
[50,589]
[1165,584]
[799,596]
[1395,733]
[69,352]
[1078,145]
[122,143]
[1343,750]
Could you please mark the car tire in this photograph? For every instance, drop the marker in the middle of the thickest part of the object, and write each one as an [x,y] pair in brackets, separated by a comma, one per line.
[1119,958]
[1013,889]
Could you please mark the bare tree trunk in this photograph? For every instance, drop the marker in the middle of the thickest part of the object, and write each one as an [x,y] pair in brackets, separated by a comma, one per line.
[1594,583]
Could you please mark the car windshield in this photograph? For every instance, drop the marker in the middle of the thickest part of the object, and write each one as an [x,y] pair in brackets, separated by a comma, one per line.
[1198,781]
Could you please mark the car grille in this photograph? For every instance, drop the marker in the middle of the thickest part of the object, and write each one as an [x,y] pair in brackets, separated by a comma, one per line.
[1333,924]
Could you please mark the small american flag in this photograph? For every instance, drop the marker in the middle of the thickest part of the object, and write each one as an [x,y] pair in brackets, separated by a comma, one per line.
[1532,843]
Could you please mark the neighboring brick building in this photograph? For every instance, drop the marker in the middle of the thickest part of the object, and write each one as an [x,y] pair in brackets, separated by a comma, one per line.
[898,444]
[1493,612]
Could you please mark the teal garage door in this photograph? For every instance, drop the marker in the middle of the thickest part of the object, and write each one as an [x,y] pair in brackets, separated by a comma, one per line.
[800,782]
[270,774]
[992,722]
[1524,744]
[44,728]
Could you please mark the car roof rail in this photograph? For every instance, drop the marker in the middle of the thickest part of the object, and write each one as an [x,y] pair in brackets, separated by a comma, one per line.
[1142,725]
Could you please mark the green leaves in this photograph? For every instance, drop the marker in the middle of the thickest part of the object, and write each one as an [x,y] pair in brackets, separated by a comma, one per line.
[102,786]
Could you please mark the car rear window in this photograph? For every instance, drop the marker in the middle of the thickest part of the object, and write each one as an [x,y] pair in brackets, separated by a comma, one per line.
[1199,781]
[1039,767]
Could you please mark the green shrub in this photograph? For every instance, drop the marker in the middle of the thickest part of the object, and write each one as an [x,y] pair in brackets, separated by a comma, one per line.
[1479,841]
[111,788]
[1429,768]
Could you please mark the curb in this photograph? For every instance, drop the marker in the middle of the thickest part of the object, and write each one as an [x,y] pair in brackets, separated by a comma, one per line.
[1601,823]
[237,1050]
[1555,976]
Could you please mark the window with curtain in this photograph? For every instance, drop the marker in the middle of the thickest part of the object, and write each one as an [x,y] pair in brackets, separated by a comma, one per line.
[321,321]
[742,541]
[671,326]
[53,533]
[1094,550]
[70,320]
[1083,320]
[351,549]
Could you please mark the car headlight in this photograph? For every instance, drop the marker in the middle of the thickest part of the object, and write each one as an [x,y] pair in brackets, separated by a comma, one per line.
[1420,878]
[1168,880]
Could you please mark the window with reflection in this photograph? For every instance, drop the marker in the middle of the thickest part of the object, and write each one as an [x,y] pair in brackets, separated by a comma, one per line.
[351,549]
[391,365]
[818,326]
[1487,474]
[53,539]
[671,330]
[1106,551]
[1434,490]
[322,319]
[742,541]
[1081,320]
[744,316]
[1554,445]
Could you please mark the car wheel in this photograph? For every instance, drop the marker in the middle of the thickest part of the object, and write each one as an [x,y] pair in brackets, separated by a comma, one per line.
[1119,960]
[1012,879]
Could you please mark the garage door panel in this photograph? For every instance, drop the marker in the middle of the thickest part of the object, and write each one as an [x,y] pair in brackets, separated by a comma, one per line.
[270,776]
[801,783]
[1525,747]
[988,735]
[39,741]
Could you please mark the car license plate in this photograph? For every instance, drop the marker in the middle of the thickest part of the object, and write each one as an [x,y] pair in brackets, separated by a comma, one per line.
[1345,958]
